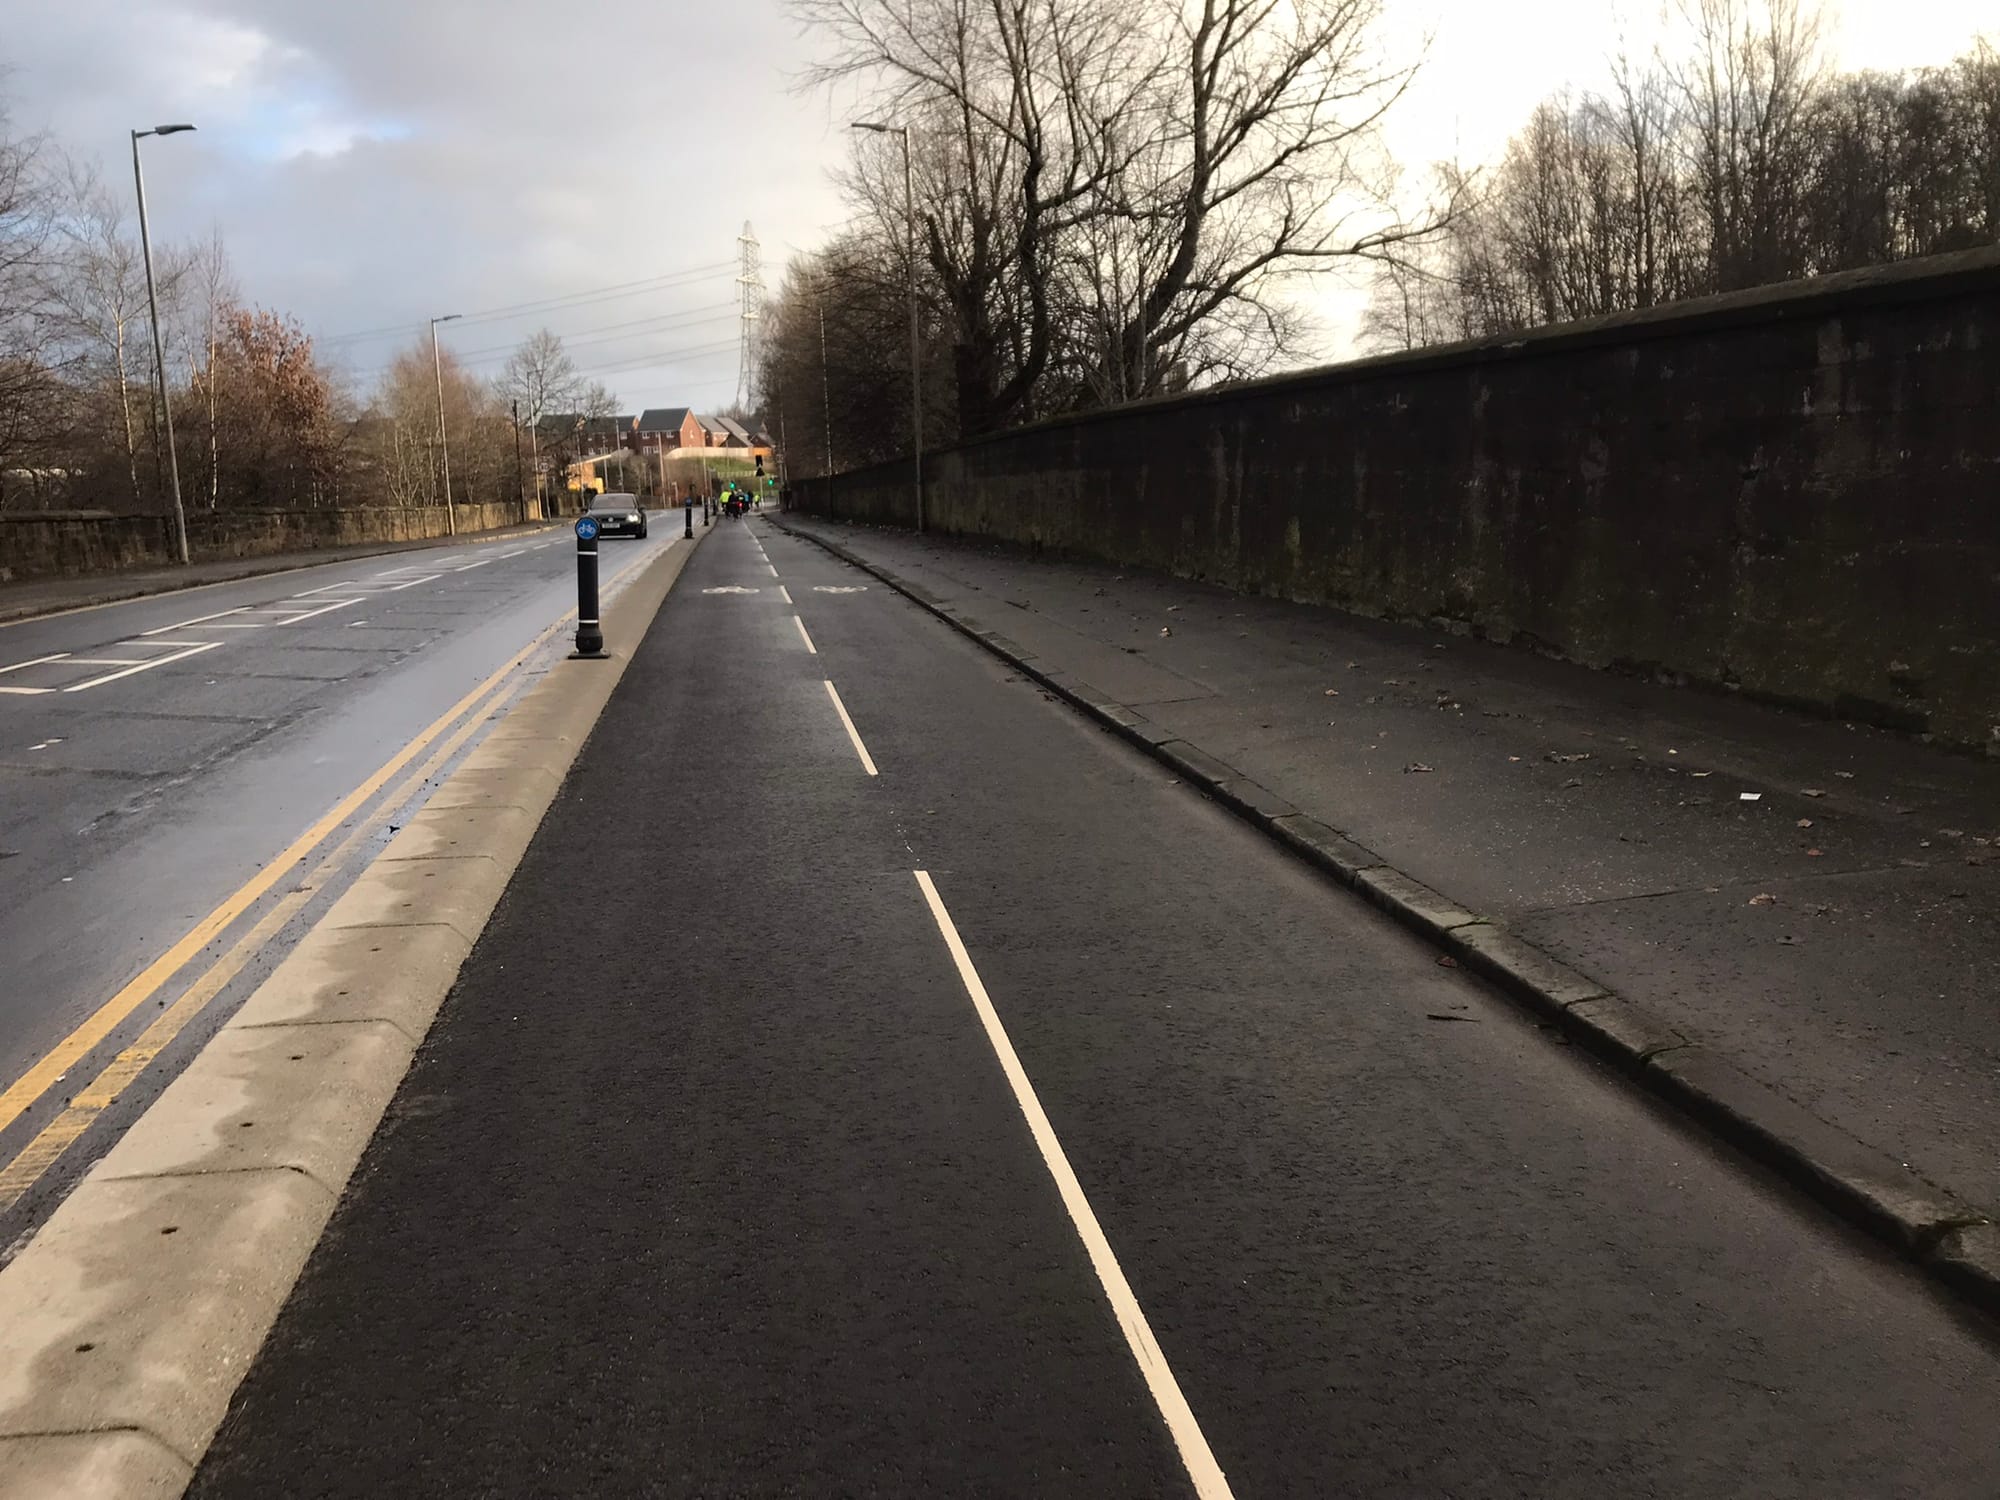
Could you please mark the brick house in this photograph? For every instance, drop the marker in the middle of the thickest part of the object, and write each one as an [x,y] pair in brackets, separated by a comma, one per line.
[667,428]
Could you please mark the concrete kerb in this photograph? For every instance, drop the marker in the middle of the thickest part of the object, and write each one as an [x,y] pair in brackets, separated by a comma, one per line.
[130,1318]
[1953,1242]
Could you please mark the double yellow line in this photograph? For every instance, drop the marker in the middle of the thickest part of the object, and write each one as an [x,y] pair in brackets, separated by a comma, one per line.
[83,1108]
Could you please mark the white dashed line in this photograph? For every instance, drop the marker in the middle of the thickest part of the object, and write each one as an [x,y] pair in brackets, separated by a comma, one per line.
[804,637]
[867,761]
[1209,1482]
[324,609]
[784,594]
[197,620]
[144,666]
[36,662]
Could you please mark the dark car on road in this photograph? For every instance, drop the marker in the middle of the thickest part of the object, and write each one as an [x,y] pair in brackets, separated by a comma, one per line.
[619,515]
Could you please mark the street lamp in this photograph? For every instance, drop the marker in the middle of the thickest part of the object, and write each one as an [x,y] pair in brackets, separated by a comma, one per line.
[444,443]
[916,368]
[159,348]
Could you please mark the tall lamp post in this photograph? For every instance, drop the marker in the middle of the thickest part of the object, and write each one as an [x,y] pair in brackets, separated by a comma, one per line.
[444,443]
[916,368]
[159,347]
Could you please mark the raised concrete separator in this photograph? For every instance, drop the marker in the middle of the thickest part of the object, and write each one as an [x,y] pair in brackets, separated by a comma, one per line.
[129,1320]
[1953,1241]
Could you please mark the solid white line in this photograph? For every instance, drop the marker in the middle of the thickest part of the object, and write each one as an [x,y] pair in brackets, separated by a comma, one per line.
[25,692]
[515,553]
[783,593]
[867,763]
[415,581]
[114,661]
[324,609]
[197,620]
[480,564]
[1202,1468]
[804,637]
[58,656]
[147,666]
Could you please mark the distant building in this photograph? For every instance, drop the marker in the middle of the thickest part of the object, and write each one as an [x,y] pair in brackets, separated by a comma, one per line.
[665,428]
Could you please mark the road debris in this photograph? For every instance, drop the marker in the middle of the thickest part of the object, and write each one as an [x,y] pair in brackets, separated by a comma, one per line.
[1762,898]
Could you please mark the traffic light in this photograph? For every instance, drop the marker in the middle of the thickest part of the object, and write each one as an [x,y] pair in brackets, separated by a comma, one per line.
[760,466]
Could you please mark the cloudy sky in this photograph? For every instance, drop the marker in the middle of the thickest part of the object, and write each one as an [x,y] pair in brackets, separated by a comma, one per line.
[588,166]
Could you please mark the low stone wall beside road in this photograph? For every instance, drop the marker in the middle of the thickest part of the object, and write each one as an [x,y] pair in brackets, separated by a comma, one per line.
[1794,491]
[76,543]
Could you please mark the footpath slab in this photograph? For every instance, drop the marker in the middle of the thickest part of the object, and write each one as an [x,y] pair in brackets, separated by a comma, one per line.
[48,596]
[1791,926]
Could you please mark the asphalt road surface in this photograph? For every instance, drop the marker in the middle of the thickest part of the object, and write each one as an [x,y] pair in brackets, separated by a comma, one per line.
[156,754]
[938,1100]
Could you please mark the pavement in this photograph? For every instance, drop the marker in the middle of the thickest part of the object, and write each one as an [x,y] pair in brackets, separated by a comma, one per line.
[159,758]
[933,1095]
[1815,902]
[43,596]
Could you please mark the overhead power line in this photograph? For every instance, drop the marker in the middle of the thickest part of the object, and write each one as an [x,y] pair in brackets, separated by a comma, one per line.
[693,275]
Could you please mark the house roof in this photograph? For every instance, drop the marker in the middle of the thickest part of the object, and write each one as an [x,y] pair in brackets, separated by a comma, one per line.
[710,424]
[662,419]
[734,429]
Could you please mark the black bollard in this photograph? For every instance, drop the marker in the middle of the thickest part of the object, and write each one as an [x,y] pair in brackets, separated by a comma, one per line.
[689,508]
[589,630]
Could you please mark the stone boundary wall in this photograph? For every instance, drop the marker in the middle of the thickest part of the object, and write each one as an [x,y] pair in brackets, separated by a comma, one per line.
[70,544]
[1793,491]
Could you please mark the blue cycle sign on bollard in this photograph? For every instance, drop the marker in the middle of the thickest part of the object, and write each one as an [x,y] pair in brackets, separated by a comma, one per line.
[589,633]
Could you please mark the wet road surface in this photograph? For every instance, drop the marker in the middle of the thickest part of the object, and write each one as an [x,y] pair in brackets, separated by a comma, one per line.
[943,1101]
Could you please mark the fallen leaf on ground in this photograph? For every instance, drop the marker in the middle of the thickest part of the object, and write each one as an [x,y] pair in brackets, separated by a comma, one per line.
[1845,775]
[1165,631]
[1415,765]
[1699,774]
[1805,822]
[1573,781]
[1762,898]
[1558,758]
[1446,961]
[1812,791]
[1513,757]
[1432,1015]
[1814,853]
[1333,692]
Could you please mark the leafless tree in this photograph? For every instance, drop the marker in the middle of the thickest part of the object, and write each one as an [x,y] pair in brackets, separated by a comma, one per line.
[1746,88]
[1114,195]
[539,379]
[208,294]
[34,397]
[98,290]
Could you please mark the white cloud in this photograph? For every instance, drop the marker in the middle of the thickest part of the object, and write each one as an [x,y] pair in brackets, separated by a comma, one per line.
[372,162]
